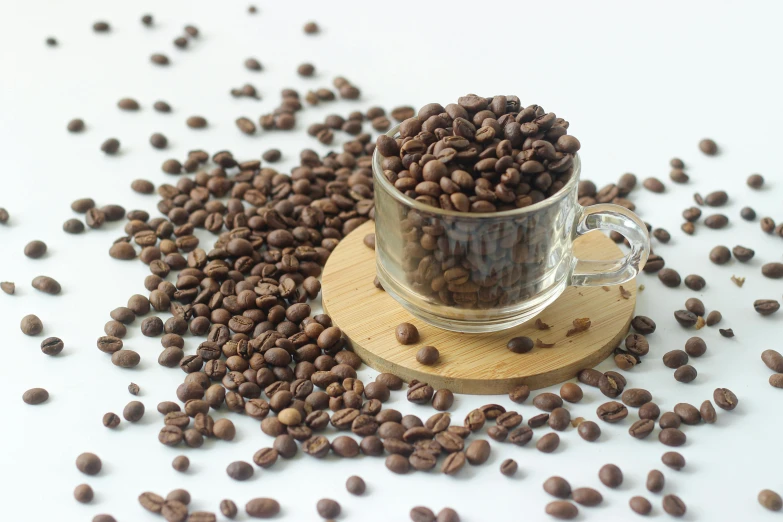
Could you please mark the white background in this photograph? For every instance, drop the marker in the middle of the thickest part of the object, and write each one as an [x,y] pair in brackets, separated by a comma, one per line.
[639,83]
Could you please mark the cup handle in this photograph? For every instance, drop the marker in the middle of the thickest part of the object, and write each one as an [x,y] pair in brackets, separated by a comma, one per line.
[618,219]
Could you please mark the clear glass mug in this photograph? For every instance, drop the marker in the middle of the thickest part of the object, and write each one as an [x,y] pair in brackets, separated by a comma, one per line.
[482,272]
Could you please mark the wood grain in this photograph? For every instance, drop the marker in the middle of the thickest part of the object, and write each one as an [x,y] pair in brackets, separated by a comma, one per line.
[474,363]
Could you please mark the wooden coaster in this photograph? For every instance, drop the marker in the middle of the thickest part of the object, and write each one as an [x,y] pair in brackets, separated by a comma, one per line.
[475,363]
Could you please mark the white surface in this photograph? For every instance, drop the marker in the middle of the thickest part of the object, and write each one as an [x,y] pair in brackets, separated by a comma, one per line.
[640,84]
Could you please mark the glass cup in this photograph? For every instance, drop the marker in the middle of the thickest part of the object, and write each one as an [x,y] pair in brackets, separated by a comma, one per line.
[482,272]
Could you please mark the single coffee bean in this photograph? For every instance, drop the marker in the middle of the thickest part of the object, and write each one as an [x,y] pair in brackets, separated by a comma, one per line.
[442,400]
[557,487]
[536,421]
[673,460]
[716,221]
[548,443]
[75,125]
[328,508]
[720,255]
[592,377]
[772,270]
[262,508]
[770,500]
[773,360]
[31,325]
[674,506]
[687,413]
[509,467]
[35,396]
[571,392]
[180,463]
[111,146]
[83,493]
[636,397]
[547,401]
[662,235]
[427,355]
[654,185]
[655,481]
[725,398]
[671,436]
[650,411]
[610,475]
[397,464]
[562,510]
[640,505]
[589,431]
[669,277]
[52,345]
[612,411]
[685,318]
[708,147]
[88,463]
[559,419]
[239,470]
[642,324]
[743,254]
[748,214]
[766,306]
[776,380]
[767,225]
[111,420]
[520,344]
[587,497]
[695,347]
[133,411]
[695,282]
[678,175]
[477,452]
[685,373]
[713,318]
[355,485]
[727,332]
[125,358]
[654,264]
[716,199]
[35,249]
[519,394]
[695,305]
[47,285]
[611,384]
[8,287]
[422,514]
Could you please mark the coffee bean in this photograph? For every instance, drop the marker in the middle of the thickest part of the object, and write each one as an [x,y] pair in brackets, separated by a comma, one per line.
[427,355]
[239,470]
[636,397]
[159,59]
[725,398]
[73,226]
[46,285]
[691,214]
[419,393]
[671,436]
[406,333]
[328,508]
[672,504]
[669,277]
[770,500]
[587,497]
[654,185]
[133,411]
[180,463]
[397,464]
[650,411]
[728,332]
[8,287]
[720,255]
[766,306]
[776,380]
[520,344]
[75,125]
[716,221]
[642,324]
[133,388]
[610,475]
[695,347]
[571,392]
[685,318]
[125,358]
[355,485]
[654,264]
[548,443]
[708,147]
[589,431]
[35,249]
[83,493]
[537,421]
[612,411]
[773,360]
[675,359]
[262,508]
[695,282]
[111,420]
[687,413]
[519,394]
[442,400]
[520,436]
[559,419]
[767,225]
[509,467]
[592,377]
[557,487]
[713,318]
[640,505]
[111,146]
[88,463]
[662,235]
[673,460]
[678,175]
[52,345]
[562,510]
[31,325]
[35,396]
[611,384]
[547,401]
[716,199]
[748,214]
[477,452]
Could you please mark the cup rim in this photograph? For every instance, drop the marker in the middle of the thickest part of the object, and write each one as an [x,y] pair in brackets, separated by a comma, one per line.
[407,201]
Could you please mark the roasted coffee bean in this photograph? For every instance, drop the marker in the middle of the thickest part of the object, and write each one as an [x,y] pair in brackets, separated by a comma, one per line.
[672,504]
[669,277]
[89,463]
[111,146]
[422,514]
[673,460]
[592,377]
[636,397]
[654,264]
[520,436]
[46,285]
[587,497]
[641,428]
[685,318]
[35,249]
[406,333]
[642,324]
[773,360]
[52,345]
[159,59]
[111,420]
[687,413]
[562,510]
[547,401]
[650,411]
[477,452]
[766,306]
[640,505]
[767,225]
[678,175]
[675,359]
[397,464]
[610,475]
[612,411]
[720,255]
[716,199]
[180,463]
[654,185]
[509,467]
[571,392]
[728,332]
[519,394]
[262,508]
[8,287]
[662,235]
[474,421]
[125,358]
[589,431]
[152,502]
[671,436]
[548,443]
[31,325]
[691,214]
[708,147]
[537,421]
[770,500]
[83,493]
[669,420]
[611,384]
[133,411]
[748,214]
[637,344]
[694,305]
[239,470]
[453,463]
[743,254]
[557,487]
[427,355]
[716,221]
[520,344]
[695,282]
[35,396]
[725,398]
[75,125]
[776,380]
[442,400]
[559,419]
